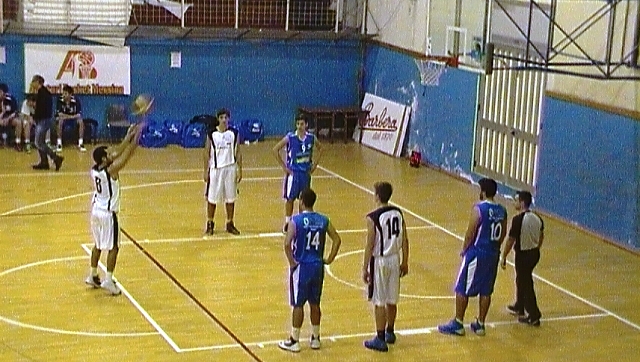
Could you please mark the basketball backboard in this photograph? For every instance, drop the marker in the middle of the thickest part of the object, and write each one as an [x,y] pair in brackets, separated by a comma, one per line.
[596,39]
[457,28]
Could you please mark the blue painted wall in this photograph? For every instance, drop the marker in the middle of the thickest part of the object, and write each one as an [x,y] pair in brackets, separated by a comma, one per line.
[442,117]
[588,169]
[589,160]
[263,80]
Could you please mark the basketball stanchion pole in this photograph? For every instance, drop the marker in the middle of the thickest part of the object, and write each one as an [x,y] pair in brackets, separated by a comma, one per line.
[488,59]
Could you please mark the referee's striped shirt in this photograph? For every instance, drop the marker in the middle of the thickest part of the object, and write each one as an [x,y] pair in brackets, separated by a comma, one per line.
[526,228]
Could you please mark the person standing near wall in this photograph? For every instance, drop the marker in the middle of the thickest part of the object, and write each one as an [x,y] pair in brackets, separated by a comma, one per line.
[526,234]
[42,117]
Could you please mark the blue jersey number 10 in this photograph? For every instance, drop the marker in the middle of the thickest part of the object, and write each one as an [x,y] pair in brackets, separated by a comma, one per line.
[496,231]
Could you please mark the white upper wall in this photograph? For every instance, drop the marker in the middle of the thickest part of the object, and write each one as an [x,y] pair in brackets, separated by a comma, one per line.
[404,23]
[618,94]
[401,23]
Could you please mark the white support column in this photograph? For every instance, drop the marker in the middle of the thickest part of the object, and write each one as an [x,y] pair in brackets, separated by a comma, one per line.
[363,26]
[286,21]
[182,11]
[237,24]
[338,13]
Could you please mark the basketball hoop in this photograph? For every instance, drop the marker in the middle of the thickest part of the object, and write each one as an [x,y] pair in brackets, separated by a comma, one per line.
[432,67]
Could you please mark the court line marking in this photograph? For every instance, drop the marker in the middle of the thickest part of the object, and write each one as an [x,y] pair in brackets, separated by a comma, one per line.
[451,233]
[246,236]
[403,332]
[140,309]
[57,330]
[128,172]
[360,287]
[133,187]
[211,316]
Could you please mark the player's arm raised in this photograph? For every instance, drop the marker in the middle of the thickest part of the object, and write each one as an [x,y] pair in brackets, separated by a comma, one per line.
[124,157]
[336,241]
[288,239]
[404,266]
[116,151]
[276,153]
[368,250]
[317,154]
[472,227]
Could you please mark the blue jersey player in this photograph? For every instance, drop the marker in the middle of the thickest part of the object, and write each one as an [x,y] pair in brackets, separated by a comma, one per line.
[302,154]
[480,258]
[304,248]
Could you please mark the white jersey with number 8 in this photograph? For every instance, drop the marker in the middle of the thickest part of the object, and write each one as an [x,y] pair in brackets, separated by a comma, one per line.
[106,196]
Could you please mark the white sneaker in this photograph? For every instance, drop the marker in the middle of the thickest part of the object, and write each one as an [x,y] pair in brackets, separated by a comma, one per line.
[93,281]
[58,148]
[81,148]
[111,287]
[314,343]
[290,345]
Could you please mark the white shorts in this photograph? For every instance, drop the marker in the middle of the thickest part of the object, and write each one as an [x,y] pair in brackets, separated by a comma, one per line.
[385,275]
[105,229]
[222,185]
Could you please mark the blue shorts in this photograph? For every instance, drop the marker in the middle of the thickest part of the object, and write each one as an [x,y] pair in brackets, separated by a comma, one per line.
[294,184]
[305,284]
[477,274]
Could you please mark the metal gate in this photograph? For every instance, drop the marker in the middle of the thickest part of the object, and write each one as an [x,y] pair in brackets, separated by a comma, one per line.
[508,125]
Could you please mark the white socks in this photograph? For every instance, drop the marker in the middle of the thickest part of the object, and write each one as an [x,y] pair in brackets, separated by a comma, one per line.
[295,333]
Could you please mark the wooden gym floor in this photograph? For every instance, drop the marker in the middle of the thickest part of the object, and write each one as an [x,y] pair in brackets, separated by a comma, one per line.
[587,289]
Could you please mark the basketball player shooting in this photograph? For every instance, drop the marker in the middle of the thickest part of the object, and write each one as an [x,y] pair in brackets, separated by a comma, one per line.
[106,197]
[106,205]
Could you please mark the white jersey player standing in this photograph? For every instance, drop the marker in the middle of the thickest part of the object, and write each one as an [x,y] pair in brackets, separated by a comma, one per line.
[222,171]
[386,258]
[106,205]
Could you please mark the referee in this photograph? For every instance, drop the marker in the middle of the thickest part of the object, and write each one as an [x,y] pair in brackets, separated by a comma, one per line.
[527,234]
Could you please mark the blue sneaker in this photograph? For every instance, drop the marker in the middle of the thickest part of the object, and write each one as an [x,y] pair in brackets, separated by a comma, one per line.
[478,328]
[453,327]
[376,344]
[390,337]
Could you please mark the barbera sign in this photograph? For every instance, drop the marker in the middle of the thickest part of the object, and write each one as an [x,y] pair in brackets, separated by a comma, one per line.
[385,126]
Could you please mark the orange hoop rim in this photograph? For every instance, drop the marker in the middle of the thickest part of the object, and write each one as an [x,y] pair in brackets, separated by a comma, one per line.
[450,61]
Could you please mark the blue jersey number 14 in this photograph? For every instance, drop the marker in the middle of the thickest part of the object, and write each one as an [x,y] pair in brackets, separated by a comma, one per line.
[313,240]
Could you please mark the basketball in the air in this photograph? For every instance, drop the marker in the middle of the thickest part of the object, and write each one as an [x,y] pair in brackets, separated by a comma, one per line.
[142,104]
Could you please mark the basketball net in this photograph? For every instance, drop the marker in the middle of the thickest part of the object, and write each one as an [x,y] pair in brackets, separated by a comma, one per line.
[432,68]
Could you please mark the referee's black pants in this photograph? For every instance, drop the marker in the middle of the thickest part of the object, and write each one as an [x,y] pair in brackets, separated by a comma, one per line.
[526,261]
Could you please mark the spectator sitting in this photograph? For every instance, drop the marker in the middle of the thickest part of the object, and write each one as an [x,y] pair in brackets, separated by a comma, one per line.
[26,116]
[8,113]
[69,109]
